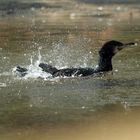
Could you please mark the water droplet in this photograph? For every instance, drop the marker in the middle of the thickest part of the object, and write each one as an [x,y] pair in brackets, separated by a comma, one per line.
[32,9]
[31,105]
[100,8]
[83,107]
[118,8]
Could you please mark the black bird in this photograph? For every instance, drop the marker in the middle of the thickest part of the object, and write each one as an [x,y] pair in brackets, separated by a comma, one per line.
[106,53]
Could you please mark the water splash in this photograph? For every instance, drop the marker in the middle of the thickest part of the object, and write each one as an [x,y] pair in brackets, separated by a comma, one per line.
[69,55]
[61,56]
[34,71]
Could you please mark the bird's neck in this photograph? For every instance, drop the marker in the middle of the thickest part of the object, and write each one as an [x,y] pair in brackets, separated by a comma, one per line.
[104,65]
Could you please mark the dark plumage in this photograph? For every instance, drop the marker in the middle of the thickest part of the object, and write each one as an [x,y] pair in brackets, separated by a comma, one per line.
[108,50]
[21,71]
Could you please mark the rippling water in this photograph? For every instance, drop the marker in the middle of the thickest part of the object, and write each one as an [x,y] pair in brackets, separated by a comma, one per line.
[104,107]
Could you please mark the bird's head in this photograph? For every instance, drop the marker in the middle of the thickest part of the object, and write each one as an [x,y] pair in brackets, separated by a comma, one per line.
[110,48]
[106,53]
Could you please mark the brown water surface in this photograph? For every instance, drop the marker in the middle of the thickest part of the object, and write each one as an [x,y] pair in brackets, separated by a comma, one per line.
[92,108]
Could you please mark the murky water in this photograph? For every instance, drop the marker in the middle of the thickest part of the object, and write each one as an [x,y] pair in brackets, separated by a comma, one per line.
[99,108]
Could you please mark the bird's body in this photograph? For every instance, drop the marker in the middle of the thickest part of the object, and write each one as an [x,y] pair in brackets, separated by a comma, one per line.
[71,71]
[108,50]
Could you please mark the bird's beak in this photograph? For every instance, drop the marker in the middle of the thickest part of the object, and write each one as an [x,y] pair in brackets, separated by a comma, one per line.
[127,45]
[130,44]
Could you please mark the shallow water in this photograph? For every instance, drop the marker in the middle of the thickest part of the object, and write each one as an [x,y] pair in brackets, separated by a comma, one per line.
[101,108]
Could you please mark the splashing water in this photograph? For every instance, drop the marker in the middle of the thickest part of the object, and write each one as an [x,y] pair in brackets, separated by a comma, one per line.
[60,56]
[34,71]
[66,55]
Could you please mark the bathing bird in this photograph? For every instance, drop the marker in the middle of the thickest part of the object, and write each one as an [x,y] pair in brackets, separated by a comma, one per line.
[106,53]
